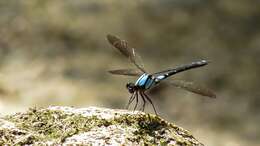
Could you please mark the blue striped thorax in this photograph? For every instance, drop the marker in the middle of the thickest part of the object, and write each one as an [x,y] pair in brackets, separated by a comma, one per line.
[145,81]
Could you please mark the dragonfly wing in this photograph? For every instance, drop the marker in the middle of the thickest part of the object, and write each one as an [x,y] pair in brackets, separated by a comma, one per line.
[190,86]
[128,52]
[127,72]
[138,62]
[121,45]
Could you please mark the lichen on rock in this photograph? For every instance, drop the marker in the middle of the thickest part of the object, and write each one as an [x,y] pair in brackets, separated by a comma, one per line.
[58,125]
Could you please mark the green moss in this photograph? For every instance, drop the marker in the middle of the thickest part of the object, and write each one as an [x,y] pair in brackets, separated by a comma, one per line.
[50,125]
[150,128]
[42,125]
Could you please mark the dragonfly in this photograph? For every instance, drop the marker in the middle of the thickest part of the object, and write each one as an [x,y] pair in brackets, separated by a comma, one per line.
[146,81]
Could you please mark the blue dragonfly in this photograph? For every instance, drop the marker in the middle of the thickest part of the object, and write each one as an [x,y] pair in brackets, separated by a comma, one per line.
[147,81]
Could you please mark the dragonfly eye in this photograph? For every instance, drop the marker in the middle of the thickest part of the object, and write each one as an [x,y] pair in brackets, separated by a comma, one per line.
[131,87]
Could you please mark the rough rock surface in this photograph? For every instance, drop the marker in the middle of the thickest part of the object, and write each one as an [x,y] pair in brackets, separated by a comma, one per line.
[90,126]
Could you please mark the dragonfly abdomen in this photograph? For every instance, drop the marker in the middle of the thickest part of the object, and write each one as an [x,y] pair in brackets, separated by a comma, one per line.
[185,67]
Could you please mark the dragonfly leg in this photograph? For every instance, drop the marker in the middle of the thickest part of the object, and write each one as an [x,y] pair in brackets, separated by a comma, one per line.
[136,101]
[148,98]
[144,102]
[130,100]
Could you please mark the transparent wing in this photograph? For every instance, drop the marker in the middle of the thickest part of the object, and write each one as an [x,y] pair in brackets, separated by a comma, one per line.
[190,86]
[128,72]
[128,52]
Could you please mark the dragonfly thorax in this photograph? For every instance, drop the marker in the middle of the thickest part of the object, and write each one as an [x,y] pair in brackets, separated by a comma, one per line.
[145,81]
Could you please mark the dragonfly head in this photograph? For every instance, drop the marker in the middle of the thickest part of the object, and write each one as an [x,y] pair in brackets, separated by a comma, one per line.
[131,87]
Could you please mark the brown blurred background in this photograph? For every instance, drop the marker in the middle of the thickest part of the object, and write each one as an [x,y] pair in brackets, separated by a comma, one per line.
[55,53]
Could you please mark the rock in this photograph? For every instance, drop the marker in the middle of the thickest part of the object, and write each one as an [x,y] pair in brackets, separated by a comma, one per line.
[57,125]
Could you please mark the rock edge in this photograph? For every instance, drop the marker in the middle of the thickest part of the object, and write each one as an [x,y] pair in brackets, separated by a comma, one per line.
[57,125]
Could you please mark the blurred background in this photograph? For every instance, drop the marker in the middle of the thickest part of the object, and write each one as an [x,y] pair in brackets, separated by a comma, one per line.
[56,53]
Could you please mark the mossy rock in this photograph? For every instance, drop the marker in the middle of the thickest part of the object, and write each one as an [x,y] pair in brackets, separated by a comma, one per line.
[90,126]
